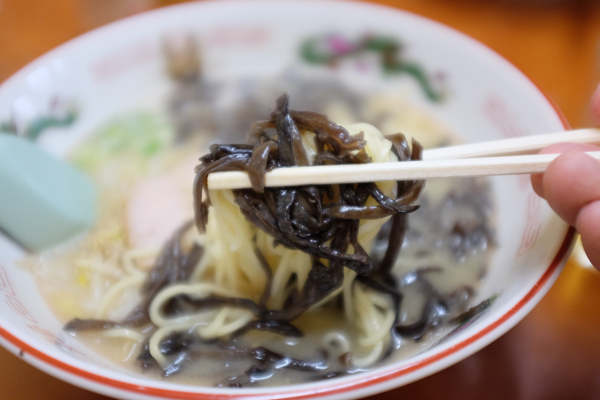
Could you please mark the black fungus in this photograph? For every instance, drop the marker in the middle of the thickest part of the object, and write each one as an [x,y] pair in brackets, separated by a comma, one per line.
[321,221]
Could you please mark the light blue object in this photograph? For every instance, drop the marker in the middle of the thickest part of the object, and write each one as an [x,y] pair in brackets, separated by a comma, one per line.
[44,201]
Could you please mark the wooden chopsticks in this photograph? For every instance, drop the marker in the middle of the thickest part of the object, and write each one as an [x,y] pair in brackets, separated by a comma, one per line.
[503,157]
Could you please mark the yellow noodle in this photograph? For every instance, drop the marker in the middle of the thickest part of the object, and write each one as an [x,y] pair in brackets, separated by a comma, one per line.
[197,290]
[371,358]
[130,284]
[218,327]
[230,268]
[157,338]
[125,334]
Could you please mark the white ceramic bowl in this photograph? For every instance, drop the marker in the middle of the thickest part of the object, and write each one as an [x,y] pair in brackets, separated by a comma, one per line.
[119,67]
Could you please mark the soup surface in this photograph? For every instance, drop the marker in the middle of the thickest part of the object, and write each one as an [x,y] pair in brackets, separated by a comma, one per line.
[143,163]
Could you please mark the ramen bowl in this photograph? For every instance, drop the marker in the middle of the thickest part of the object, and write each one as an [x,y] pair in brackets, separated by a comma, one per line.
[316,51]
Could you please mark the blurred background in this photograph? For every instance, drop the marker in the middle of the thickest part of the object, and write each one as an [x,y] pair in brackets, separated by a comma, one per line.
[554,353]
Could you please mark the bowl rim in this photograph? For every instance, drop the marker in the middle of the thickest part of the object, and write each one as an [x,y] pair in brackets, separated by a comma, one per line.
[374,384]
[489,333]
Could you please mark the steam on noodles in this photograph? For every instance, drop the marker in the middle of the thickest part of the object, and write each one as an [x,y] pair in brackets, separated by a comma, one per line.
[281,279]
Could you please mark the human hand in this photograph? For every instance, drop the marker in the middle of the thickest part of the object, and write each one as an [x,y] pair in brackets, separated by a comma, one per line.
[571,185]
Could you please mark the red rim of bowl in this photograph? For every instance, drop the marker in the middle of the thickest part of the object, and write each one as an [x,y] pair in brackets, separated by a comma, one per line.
[307,393]
[334,389]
